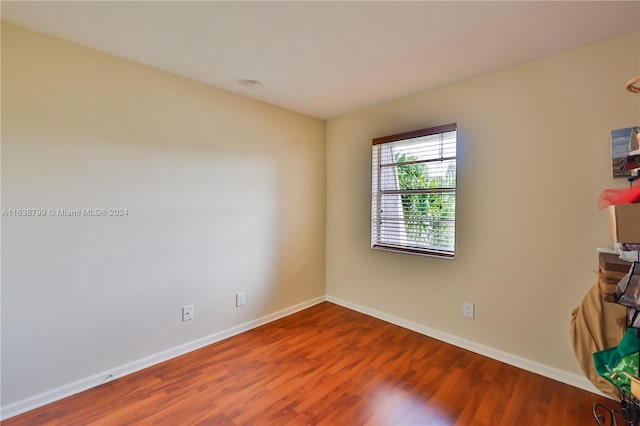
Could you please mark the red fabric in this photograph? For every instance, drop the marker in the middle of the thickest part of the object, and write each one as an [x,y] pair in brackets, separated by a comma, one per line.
[613,196]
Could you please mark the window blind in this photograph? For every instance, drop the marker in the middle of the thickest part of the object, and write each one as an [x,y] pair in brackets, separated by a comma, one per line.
[413,202]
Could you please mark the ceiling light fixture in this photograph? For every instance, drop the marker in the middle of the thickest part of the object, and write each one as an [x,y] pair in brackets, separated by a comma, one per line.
[251,84]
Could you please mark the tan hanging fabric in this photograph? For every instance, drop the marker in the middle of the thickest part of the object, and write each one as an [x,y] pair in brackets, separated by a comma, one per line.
[595,326]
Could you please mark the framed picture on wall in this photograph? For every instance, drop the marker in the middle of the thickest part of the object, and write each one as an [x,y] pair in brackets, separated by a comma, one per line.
[624,142]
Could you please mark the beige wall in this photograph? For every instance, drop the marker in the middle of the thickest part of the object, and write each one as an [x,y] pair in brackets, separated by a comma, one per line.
[533,158]
[223,194]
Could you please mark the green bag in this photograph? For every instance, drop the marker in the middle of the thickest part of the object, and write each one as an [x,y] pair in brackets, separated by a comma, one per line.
[612,363]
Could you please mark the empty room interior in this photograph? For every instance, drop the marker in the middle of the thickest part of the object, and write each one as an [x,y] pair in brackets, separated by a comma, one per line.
[208,214]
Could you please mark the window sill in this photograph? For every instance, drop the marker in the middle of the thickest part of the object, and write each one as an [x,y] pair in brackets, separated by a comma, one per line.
[420,252]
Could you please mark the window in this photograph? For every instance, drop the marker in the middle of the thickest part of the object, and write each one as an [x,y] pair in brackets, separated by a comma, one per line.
[413,203]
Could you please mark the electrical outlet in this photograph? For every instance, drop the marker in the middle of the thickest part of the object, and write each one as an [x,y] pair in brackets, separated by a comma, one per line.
[187,312]
[469,310]
[240,298]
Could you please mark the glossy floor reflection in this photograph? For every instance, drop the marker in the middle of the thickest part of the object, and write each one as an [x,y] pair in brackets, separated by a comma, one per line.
[392,405]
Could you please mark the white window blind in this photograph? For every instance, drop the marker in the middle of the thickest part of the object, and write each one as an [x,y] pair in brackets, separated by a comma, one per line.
[413,202]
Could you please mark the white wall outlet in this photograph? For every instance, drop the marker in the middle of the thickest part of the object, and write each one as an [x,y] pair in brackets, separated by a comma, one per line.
[469,310]
[187,312]
[240,298]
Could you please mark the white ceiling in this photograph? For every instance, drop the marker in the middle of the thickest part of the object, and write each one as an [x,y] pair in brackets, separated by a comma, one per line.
[326,59]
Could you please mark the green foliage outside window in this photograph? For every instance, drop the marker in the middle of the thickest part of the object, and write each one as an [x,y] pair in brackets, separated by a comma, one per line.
[428,216]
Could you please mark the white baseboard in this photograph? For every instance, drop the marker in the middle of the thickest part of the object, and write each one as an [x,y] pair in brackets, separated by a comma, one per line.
[563,376]
[64,391]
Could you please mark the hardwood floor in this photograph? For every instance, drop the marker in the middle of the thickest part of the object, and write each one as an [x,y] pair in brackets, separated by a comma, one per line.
[326,365]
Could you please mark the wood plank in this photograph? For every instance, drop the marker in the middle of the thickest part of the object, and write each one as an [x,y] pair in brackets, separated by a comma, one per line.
[325,365]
